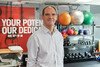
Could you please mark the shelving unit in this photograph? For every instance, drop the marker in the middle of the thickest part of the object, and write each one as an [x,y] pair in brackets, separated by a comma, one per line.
[76,52]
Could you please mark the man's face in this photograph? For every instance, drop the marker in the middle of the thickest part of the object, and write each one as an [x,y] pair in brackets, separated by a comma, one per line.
[49,17]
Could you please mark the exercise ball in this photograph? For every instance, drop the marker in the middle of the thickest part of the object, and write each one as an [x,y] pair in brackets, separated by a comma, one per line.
[70,31]
[64,18]
[85,32]
[77,17]
[80,32]
[88,18]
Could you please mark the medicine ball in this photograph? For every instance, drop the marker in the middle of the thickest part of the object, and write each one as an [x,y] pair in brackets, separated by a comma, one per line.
[88,18]
[77,17]
[64,18]
[70,31]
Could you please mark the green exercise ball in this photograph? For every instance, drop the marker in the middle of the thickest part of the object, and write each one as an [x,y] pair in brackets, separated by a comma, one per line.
[88,18]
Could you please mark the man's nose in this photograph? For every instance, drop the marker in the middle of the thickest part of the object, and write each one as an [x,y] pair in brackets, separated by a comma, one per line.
[50,16]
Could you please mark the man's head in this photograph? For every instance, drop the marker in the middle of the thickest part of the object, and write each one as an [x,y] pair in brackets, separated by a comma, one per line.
[49,16]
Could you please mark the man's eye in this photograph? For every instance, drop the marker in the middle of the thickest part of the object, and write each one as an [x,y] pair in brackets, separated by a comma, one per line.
[53,14]
[47,14]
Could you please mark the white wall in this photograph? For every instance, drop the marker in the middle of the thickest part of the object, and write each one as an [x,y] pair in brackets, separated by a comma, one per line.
[95,9]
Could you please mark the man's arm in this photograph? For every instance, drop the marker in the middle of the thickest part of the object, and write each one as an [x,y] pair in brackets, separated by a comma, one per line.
[32,46]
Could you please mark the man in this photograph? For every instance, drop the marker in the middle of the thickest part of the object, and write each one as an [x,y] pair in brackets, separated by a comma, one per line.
[45,46]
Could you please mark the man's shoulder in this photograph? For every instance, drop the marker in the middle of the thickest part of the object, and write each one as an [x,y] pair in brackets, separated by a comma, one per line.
[59,34]
[36,32]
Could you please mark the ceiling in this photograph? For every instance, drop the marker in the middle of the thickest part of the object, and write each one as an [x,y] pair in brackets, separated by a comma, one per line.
[91,2]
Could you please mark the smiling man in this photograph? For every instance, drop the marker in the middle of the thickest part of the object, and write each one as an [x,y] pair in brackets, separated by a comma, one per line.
[45,46]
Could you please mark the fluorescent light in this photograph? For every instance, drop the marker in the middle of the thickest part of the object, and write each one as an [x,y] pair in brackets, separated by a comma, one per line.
[83,1]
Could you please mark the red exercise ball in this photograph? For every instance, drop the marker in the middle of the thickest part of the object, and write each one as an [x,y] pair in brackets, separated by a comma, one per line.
[64,18]
[70,31]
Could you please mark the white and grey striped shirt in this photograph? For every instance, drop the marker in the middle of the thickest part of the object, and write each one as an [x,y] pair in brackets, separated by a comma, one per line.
[44,49]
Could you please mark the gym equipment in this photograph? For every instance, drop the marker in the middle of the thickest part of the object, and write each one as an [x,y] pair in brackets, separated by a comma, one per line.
[64,18]
[85,32]
[64,34]
[75,32]
[80,32]
[77,17]
[70,31]
[88,18]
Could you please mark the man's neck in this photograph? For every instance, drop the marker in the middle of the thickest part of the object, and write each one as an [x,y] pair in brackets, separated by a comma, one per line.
[51,28]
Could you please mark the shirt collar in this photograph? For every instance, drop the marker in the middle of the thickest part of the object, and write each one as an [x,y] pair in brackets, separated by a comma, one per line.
[47,30]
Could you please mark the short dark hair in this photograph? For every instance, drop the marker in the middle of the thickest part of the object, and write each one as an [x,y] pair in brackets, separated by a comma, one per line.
[46,7]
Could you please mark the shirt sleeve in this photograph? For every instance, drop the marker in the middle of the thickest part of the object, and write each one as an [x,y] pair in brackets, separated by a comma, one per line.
[63,47]
[62,43]
[32,46]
